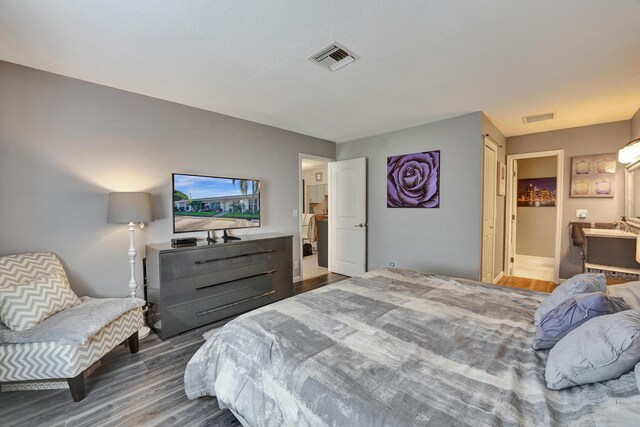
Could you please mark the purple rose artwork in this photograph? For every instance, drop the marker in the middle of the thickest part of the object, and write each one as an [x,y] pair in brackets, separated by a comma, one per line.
[413,180]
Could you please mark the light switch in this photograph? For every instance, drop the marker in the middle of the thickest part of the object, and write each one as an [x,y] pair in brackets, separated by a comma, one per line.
[295,213]
[581,213]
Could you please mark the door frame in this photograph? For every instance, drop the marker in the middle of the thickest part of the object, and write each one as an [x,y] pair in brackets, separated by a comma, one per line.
[511,193]
[306,156]
[494,146]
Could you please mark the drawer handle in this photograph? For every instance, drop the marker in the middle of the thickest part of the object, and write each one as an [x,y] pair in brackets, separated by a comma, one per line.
[213,310]
[236,280]
[204,261]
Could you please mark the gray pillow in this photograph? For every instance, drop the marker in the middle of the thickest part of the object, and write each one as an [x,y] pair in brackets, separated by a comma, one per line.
[601,349]
[572,313]
[578,284]
[629,292]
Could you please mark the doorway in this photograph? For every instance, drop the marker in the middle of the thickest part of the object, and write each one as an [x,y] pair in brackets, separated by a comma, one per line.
[534,215]
[314,215]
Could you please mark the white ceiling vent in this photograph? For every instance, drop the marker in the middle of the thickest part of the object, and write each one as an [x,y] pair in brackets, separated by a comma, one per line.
[538,118]
[334,57]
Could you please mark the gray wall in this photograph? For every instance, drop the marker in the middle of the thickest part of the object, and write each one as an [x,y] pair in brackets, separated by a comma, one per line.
[65,143]
[444,240]
[498,259]
[595,139]
[536,230]
[635,125]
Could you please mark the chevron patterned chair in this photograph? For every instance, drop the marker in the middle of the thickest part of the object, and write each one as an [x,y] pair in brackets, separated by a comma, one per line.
[36,353]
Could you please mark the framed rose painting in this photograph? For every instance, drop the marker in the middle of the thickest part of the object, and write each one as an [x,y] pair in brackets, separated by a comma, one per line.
[413,180]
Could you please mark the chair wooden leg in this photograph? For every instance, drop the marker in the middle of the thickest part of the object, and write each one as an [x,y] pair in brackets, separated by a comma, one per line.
[76,386]
[134,343]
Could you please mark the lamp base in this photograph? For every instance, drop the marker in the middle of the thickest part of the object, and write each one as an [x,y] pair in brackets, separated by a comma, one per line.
[143,332]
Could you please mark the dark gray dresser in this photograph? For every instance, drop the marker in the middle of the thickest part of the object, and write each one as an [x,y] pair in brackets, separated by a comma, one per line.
[191,286]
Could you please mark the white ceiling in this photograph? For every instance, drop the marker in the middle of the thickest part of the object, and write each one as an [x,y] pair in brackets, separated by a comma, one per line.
[421,60]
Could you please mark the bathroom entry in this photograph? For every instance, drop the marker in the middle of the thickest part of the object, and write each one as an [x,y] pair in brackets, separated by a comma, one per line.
[534,215]
[314,217]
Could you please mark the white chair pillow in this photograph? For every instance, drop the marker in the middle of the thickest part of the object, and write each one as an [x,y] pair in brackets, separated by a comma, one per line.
[601,349]
[23,306]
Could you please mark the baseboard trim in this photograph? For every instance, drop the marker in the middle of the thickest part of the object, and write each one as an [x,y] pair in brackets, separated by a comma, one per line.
[297,279]
[498,277]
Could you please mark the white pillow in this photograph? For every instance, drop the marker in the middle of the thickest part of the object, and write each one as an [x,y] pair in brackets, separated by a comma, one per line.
[578,284]
[629,292]
[24,305]
[601,349]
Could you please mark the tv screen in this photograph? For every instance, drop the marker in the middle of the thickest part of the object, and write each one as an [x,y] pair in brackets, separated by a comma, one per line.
[203,203]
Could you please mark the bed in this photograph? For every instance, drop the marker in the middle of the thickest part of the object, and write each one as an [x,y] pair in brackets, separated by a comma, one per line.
[394,348]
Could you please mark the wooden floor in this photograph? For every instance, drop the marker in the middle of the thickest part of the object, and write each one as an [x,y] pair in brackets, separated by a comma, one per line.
[524,283]
[542,285]
[143,389]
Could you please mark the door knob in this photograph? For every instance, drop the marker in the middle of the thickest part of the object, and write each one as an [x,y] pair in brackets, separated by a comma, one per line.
[361,225]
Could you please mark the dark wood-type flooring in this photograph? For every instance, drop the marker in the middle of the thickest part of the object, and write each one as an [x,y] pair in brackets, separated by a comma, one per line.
[143,389]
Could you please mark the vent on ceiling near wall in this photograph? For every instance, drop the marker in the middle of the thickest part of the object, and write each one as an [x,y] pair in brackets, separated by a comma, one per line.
[334,57]
[538,118]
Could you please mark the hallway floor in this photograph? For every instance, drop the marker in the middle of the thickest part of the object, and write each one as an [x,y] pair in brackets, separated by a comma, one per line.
[310,267]
[525,283]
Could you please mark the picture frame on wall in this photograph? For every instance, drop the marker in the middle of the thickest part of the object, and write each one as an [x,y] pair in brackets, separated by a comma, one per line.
[537,192]
[413,180]
[502,179]
[593,176]
[318,176]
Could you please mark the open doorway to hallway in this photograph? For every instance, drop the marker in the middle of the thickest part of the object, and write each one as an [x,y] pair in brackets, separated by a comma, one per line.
[314,208]
[534,215]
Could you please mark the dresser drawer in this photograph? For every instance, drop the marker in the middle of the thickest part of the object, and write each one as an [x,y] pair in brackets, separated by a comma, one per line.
[211,284]
[181,317]
[178,265]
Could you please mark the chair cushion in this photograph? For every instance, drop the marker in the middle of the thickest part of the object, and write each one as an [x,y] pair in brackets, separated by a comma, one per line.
[75,325]
[24,305]
[49,359]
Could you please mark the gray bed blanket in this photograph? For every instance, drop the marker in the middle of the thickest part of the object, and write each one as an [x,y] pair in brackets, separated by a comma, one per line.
[74,325]
[397,348]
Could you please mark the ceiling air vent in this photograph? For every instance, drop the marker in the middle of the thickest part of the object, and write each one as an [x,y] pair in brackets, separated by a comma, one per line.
[538,118]
[334,57]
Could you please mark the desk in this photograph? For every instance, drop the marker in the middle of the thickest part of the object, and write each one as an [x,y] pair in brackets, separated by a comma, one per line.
[612,252]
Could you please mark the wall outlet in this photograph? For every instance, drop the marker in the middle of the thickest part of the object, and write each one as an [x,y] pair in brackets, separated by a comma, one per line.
[296,264]
[581,213]
[392,264]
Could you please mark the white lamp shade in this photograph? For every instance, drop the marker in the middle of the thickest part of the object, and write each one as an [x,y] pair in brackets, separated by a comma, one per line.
[126,207]
[630,152]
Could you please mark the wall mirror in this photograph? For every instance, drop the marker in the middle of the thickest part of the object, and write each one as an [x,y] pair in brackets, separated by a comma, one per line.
[632,194]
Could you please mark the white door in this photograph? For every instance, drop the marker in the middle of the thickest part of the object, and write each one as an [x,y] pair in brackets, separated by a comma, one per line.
[513,220]
[348,217]
[488,211]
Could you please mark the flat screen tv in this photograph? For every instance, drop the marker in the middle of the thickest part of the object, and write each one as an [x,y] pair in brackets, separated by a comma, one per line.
[207,203]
